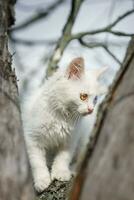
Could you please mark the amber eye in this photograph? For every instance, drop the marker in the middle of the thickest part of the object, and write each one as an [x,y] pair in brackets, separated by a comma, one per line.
[83,96]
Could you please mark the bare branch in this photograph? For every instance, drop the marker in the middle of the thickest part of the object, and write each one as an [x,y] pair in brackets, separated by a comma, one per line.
[65,38]
[102,45]
[106,28]
[110,15]
[40,15]
[121,17]
[115,43]
[111,54]
[118,33]
[32,42]
[29,42]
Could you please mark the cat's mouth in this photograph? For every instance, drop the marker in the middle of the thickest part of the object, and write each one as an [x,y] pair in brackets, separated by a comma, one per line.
[89,112]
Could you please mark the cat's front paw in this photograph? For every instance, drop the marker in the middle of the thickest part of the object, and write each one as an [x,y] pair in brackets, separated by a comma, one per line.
[42,182]
[61,174]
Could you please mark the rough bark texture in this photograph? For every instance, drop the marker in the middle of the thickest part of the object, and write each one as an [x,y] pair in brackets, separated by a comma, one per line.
[15,181]
[108,170]
[58,190]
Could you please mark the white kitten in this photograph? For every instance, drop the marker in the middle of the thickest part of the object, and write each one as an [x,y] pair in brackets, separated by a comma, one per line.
[53,117]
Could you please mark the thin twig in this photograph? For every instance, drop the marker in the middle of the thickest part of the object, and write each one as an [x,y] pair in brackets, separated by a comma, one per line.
[110,15]
[40,15]
[121,17]
[106,28]
[119,33]
[102,45]
[111,54]
[30,42]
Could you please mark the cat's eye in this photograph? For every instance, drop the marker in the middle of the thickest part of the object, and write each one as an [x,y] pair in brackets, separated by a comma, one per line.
[83,96]
[95,100]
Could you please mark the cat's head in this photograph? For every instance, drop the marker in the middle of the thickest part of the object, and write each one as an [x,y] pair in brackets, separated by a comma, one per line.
[79,89]
[85,88]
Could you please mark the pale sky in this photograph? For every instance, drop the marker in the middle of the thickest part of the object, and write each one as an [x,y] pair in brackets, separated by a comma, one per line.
[94,14]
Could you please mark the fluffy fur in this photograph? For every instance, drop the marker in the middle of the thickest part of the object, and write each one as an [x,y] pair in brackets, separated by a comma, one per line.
[53,119]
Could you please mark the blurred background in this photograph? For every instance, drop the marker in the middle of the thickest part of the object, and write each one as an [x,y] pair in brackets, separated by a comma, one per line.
[39,29]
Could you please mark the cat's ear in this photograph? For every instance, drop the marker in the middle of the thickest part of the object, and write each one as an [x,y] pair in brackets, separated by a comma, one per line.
[101,71]
[75,70]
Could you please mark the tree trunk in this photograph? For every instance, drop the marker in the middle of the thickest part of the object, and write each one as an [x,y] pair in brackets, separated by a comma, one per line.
[15,181]
[108,169]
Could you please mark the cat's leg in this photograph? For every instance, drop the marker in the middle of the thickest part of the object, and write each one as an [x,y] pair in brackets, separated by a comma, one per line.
[37,158]
[60,168]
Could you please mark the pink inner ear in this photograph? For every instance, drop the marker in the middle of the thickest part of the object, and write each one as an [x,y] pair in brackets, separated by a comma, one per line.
[75,68]
[73,71]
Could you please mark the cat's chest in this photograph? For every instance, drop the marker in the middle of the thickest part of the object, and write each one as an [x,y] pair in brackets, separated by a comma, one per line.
[59,126]
[56,130]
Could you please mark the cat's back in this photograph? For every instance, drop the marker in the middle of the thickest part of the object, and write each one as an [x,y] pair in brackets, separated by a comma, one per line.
[32,110]
[37,109]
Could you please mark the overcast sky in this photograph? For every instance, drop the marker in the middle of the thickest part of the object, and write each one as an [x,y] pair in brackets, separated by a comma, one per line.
[94,14]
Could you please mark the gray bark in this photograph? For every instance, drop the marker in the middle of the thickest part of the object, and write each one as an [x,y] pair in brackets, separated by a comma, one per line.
[15,181]
[58,190]
[108,169]
[107,172]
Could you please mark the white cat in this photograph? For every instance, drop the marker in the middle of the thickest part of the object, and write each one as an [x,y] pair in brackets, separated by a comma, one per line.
[53,117]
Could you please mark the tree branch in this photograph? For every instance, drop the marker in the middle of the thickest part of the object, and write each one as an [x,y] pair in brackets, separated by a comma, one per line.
[101,119]
[40,15]
[10,98]
[121,17]
[111,54]
[57,190]
[97,45]
[106,28]
[65,38]
[32,42]
[119,33]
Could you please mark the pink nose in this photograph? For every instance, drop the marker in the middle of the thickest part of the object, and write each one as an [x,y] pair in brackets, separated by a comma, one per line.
[90,110]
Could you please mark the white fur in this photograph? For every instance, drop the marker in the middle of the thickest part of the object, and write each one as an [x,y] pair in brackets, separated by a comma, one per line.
[52,119]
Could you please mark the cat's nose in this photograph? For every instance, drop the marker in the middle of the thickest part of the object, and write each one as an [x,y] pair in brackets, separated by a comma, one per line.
[90,110]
